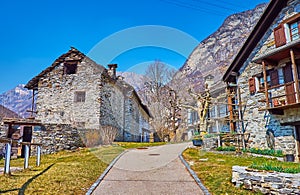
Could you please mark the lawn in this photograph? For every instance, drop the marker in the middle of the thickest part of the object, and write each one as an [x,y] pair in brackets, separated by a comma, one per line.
[215,170]
[67,172]
[61,173]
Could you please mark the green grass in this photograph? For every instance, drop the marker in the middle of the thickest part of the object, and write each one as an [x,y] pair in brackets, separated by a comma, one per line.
[129,145]
[61,173]
[283,167]
[216,172]
[226,148]
[270,152]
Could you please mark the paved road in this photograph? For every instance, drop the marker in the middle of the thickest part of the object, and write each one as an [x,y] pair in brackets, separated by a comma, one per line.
[156,170]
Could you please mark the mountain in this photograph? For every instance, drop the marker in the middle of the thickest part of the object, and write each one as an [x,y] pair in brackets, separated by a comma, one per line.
[17,100]
[133,79]
[6,113]
[214,54]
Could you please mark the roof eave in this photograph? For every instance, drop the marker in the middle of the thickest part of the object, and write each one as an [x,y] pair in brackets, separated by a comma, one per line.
[267,18]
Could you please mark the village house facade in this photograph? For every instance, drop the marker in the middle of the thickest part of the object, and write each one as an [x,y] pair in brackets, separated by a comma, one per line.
[217,115]
[264,80]
[75,95]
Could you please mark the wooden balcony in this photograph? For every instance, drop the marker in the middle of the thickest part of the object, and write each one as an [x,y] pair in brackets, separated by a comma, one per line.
[283,93]
[279,110]
[281,97]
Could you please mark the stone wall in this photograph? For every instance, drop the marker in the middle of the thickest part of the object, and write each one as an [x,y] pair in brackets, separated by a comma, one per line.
[56,96]
[266,182]
[210,143]
[132,120]
[3,131]
[112,107]
[58,137]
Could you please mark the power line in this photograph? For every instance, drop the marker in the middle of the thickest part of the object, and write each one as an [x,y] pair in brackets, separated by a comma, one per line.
[195,7]
[232,4]
[217,5]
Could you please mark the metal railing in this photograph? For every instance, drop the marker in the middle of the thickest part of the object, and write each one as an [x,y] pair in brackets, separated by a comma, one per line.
[8,151]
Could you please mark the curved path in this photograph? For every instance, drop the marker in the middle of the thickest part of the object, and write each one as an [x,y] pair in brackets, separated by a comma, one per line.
[155,170]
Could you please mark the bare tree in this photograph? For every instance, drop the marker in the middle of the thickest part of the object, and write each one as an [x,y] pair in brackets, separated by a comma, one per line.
[108,134]
[161,99]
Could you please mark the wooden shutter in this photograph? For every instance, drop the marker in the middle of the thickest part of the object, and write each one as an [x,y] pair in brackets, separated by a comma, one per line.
[288,74]
[290,93]
[274,78]
[252,88]
[279,36]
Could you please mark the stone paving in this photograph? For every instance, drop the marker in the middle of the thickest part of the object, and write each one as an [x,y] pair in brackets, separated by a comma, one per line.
[156,170]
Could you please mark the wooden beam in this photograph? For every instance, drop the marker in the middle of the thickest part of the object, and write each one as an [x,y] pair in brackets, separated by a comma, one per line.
[230,109]
[266,84]
[295,73]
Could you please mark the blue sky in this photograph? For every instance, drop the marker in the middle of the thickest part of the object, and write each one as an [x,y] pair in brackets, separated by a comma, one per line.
[34,33]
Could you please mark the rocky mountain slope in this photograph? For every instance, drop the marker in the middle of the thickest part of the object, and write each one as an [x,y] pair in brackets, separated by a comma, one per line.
[17,100]
[6,113]
[214,54]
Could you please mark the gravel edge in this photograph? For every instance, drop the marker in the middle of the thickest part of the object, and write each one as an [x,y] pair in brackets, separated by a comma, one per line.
[194,175]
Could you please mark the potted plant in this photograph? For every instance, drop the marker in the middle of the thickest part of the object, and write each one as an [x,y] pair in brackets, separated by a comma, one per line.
[197,139]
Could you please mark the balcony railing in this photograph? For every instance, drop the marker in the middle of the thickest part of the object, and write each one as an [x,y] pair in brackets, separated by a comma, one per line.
[282,97]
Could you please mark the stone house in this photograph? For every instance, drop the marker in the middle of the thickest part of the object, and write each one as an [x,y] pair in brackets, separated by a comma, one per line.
[75,92]
[264,80]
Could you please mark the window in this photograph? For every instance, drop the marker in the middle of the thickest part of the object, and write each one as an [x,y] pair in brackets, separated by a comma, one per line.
[80,96]
[70,67]
[280,76]
[261,82]
[294,29]
[212,112]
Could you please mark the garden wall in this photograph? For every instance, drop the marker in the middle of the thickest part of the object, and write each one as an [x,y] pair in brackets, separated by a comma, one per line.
[57,137]
[266,182]
[210,143]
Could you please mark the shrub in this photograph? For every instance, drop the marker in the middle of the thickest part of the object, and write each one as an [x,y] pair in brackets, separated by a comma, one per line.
[268,166]
[270,152]
[227,148]
[92,138]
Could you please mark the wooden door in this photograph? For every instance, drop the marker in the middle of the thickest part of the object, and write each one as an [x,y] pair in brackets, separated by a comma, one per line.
[298,140]
[290,93]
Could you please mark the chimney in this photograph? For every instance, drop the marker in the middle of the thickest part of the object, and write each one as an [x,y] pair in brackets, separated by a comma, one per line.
[112,70]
